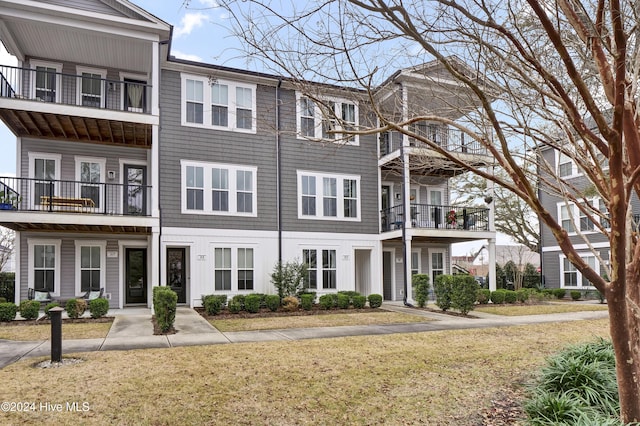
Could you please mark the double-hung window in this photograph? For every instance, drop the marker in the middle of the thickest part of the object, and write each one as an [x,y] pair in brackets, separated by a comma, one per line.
[574,218]
[218,104]
[323,274]
[90,265]
[233,265]
[328,196]
[572,278]
[90,175]
[91,87]
[310,260]
[566,166]
[44,265]
[222,189]
[44,169]
[222,269]
[327,119]
[46,84]
[245,268]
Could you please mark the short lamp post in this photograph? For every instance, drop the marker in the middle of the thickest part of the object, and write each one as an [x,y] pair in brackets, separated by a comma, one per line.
[56,333]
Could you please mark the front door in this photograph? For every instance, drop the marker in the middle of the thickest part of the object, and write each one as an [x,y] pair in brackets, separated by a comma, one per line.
[135,189]
[136,275]
[387,277]
[176,276]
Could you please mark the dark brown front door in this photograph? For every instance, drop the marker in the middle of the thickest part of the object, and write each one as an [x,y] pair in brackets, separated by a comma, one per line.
[136,275]
[176,276]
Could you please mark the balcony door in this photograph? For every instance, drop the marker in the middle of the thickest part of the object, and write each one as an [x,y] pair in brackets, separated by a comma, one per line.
[135,189]
[134,95]
[435,205]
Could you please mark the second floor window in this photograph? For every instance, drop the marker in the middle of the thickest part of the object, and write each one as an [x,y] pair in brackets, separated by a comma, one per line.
[566,166]
[326,119]
[325,196]
[194,101]
[91,87]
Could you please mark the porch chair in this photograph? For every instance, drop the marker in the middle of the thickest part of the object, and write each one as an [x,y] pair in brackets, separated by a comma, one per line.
[38,295]
[92,294]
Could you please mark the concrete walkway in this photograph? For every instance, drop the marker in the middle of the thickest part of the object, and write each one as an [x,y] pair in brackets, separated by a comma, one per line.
[133,329]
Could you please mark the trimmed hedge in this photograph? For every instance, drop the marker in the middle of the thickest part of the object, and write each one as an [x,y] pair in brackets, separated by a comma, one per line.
[306,300]
[8,311]
[442,288]
[343,301]
[559,293]
[98,307]
[326,301]
[272,301]
[463,293]
[213,303]
[498,296]
[510,296]
[252,303]
[75,307]
[29,309]
[575,295]
[375,300]
[359,301]
[483,296]
[420,283]
[165,303]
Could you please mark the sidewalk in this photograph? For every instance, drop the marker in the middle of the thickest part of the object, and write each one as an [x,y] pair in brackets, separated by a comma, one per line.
[132,329]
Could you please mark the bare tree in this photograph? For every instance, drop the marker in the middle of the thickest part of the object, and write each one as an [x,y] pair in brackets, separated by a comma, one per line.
[7,240]
[528,76]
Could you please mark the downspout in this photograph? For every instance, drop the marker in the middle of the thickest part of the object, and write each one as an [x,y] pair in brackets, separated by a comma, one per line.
[404,228]
[278,171]
[168,43]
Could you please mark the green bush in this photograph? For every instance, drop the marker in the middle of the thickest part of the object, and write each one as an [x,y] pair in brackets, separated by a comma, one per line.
[272,301]
[252,303]
[75,307]
[375,300]
[165,302]
[29,309]
[510,296]
[306,300]
[463,293]
[98,307]
[7,286]
[442,290]
[359,301]
[8,311]
[575,295]
[326,301]
[576,384]
[498,296]
[420,284]
[239,300]
[350,293]
[559,293]
[3,300]
[483,296]
[343,301]
[523,295]
[234,306]
[213,303]
[288,278]
[49,306]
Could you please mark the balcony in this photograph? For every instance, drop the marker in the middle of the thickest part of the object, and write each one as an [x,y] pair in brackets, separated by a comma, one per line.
[429,216]
[39,204]
[43,103]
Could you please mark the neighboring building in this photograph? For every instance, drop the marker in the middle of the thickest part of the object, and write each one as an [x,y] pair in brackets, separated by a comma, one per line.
[477,263]
[137,169]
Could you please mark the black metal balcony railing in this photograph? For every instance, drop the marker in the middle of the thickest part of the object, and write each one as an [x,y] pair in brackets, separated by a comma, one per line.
[431,216]
[87,90]
[450,140]
[59,196]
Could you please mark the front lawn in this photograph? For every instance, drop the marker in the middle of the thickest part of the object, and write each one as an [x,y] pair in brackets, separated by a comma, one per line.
[27,330]
[538,309]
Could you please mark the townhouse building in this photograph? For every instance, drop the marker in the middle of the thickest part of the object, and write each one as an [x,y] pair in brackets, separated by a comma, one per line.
[137,169]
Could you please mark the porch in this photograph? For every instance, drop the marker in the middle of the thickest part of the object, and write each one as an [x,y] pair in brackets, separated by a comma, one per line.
[429,216]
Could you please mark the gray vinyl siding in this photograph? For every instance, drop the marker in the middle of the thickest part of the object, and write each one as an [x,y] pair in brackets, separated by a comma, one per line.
[90,6]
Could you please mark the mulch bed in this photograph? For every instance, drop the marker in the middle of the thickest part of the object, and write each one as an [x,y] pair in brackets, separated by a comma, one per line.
[266,313]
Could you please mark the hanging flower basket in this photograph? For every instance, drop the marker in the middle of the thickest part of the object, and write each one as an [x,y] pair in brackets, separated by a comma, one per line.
[452,218]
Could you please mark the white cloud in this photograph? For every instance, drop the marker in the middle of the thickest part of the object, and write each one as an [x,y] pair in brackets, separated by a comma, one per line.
[186,56]
[189,22]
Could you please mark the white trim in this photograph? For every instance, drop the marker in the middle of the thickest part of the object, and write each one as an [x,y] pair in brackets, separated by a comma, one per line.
[578,247]
[319,117]
[233,247]
[33,64]
[33,156]
[207,198]
[206,103]
[103,262]
[57,243]
[319,248]
[579,285]
[574,167]
[430,252]
[103,76]
[392,272]
[417,251]
[122,268]
[340,178]
[103,165]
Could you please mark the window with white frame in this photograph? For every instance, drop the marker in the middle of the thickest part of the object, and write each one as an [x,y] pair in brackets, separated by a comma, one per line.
[46,84]
[566,166]
[570,277]
[326,119]
[44,169]
[328,196]
[218,104]
[90,174]
[44,265]
[91,87]
[90,265]
[221,189]
[437,265]
[320,275]
[573,218]
[415,262]
[234,265]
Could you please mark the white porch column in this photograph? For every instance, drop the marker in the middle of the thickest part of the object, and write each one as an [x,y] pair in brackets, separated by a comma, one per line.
[154,275]
[492,264]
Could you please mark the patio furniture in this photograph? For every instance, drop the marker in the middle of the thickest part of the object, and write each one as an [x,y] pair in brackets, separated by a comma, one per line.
[92,295]
[39,295]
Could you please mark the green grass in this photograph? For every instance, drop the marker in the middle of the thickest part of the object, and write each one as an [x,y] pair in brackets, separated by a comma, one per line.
[88,330]
[554,308]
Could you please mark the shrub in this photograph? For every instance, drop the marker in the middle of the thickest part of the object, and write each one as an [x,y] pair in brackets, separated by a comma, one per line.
[290,303]
[442,289]
[559,293]
[350,293]
[252,303]
[343,301]
[3,300]
[306,300]
[272,301]
[420,283]
[510,296]
[483,296]
[523,295]
[234,306]
[464,289]
[75,307]
[288,278]
[213,303]
[165,302]
[29,309]
[7,286]
[8,311]
[575,295]
[498,296]
[326,301]
[375,300]
[98,307]
[49,306]
[359,301]
[239,300]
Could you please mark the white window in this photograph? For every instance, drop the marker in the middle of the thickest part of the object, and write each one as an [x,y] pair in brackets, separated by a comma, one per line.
[573,219]
[233,265]
[45,85]
[90,266]
[415,262]
[570,277]
[566,166]
[323,275]
[90,175]
[326,119]
[91,87]
[437,264]
[44,265]
[220,189]
[218,104]
[44,169]
[323,196]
